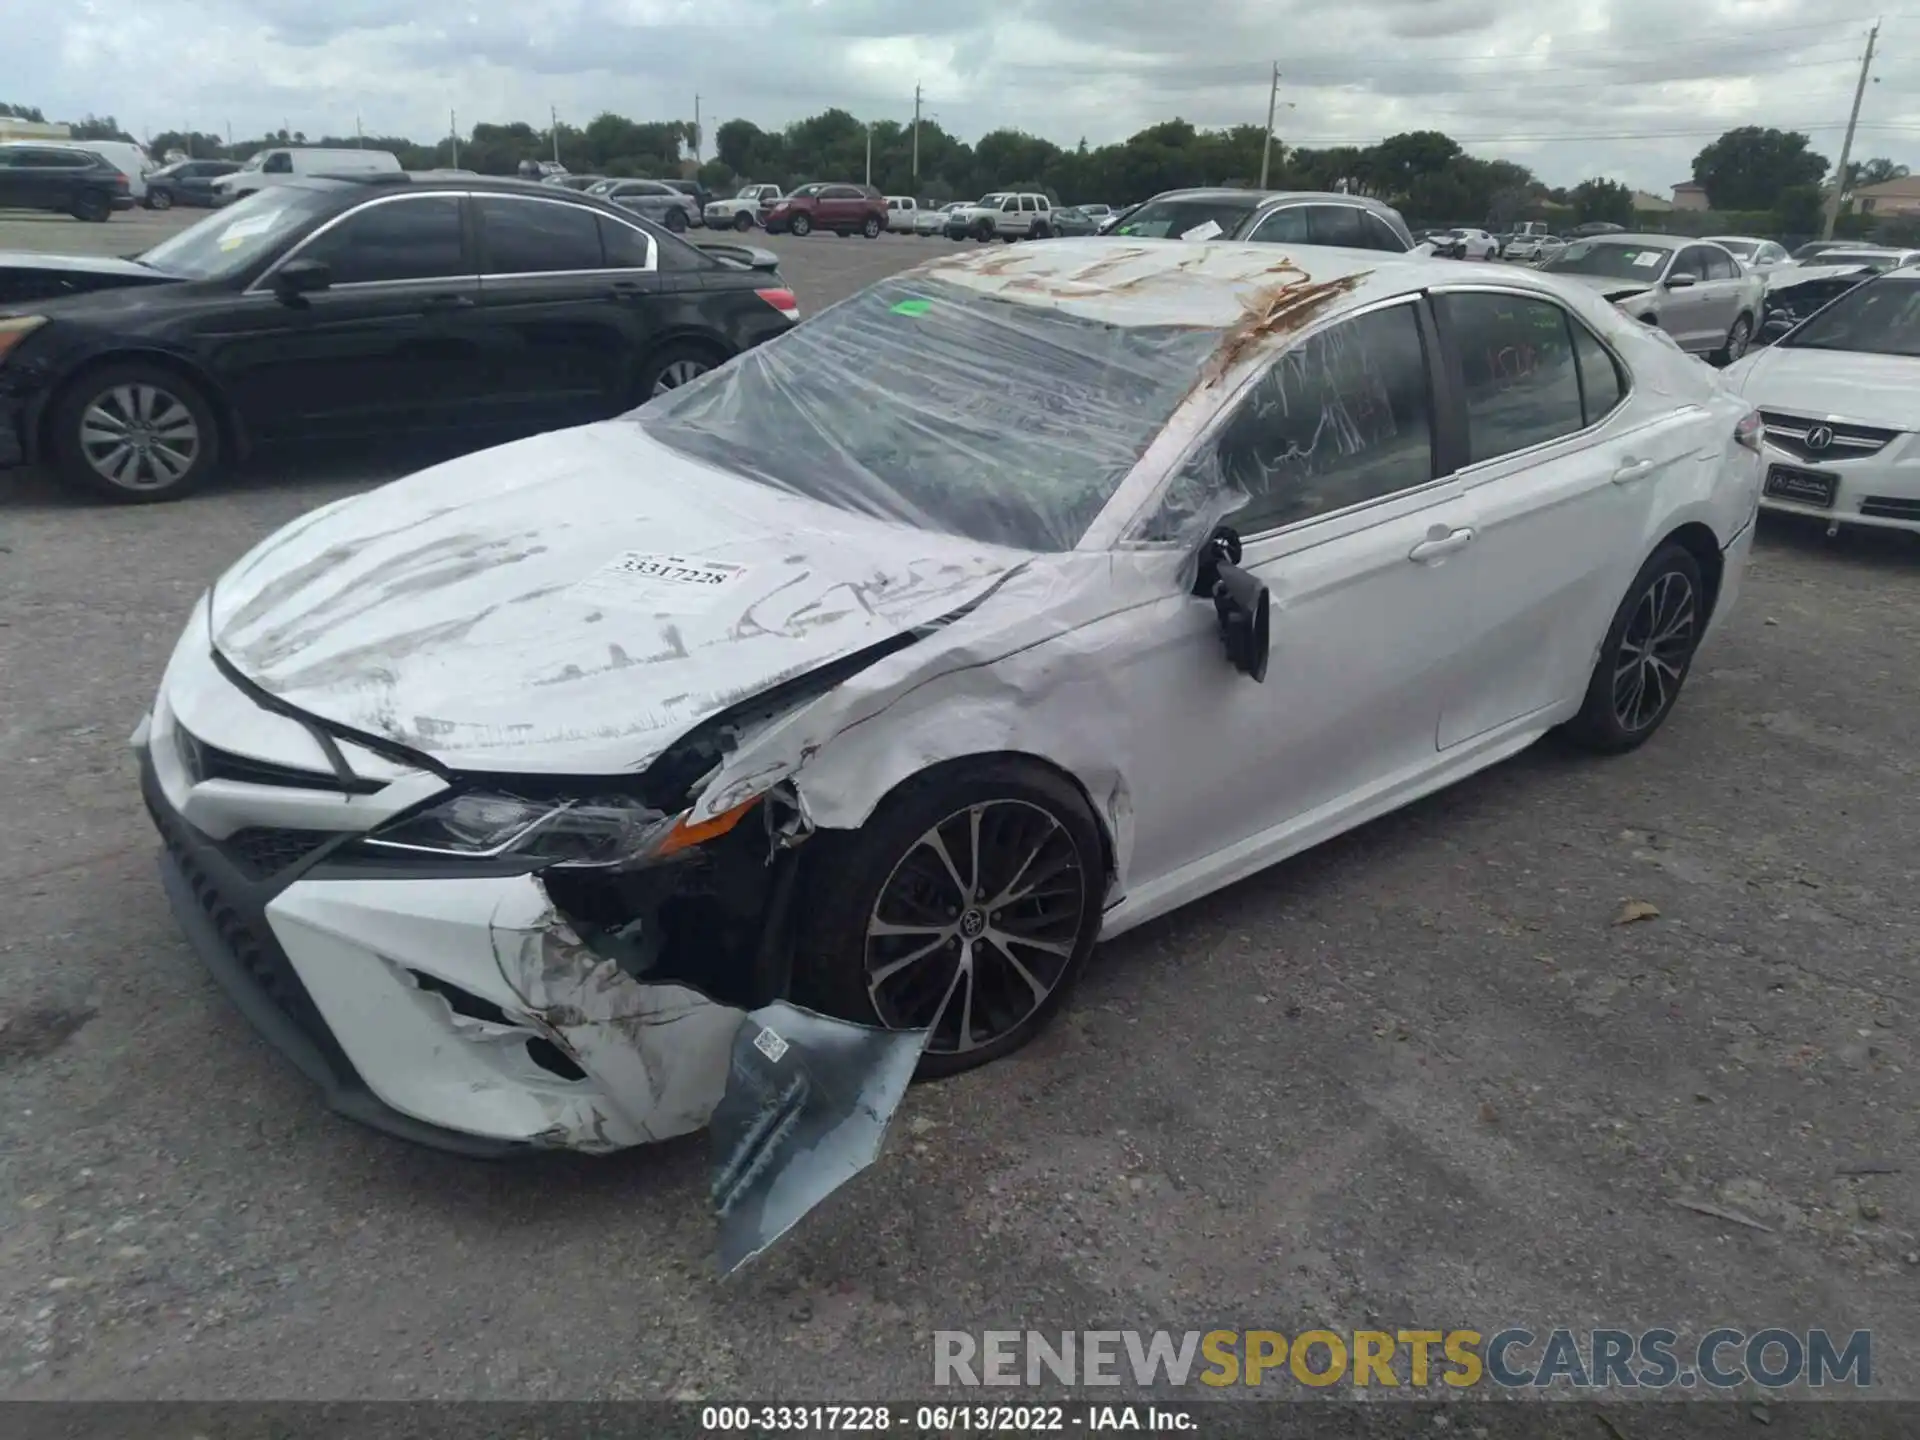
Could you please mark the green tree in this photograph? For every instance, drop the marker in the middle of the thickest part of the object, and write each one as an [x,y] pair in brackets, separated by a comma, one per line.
[1601,199]
[1799,209]
[29,113]
[1876,171]
[1748,168]
[97,127]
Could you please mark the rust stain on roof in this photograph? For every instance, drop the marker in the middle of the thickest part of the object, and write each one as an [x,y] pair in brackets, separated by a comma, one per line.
[1277,309]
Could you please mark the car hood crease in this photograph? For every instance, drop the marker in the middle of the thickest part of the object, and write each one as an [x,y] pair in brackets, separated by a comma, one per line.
[487,613]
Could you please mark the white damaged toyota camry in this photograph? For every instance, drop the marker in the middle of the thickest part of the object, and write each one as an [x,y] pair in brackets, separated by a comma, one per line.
[729,762]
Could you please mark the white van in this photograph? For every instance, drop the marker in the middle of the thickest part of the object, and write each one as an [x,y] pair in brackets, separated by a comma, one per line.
[126,157]
[279,163]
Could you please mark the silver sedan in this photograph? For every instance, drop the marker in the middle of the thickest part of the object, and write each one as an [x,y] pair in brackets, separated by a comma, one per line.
[672,208]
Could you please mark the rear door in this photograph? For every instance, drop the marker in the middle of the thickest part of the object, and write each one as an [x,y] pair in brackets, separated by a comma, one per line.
[1726,290]
[1336,225]
[566,322]
[1560,492]
[1285,226]
[393,345]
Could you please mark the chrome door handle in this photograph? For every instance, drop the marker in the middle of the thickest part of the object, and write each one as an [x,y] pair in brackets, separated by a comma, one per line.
[1633,470]
[1440,546]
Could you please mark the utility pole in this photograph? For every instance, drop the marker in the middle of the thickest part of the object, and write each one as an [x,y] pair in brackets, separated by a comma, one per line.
[869,152]
[359,138]
[1846,146]
[696,127]
[553,114]
[453,134]
[916,137]
[1266,141]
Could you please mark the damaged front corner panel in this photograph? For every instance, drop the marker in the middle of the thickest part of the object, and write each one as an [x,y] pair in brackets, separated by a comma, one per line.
[807,1103]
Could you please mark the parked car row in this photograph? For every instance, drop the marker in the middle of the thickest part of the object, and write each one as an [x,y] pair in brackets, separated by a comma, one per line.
[325,309]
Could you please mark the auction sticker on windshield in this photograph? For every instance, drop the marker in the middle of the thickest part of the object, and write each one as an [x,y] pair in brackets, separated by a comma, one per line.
[1647,259]
[678,583]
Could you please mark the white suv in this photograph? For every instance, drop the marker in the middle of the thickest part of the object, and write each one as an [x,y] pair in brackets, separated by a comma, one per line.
[1003,215]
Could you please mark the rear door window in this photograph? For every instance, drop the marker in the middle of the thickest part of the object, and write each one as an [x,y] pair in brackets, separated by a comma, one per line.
[527,237]
[1520,379]
[1376,234]
[624,247]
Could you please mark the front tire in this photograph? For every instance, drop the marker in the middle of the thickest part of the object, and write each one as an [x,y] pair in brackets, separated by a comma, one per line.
[904,930]
[136,433]
[1738,339]
[1646,656]
[801,225]
[743,221]
[159,200]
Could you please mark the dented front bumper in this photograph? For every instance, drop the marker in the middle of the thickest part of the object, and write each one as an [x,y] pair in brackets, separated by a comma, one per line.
[459,1012]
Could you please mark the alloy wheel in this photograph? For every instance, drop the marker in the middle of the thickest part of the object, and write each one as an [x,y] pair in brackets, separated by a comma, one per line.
[1738,340]
[976,925]
[1654,651]
[678,373]
[139,437]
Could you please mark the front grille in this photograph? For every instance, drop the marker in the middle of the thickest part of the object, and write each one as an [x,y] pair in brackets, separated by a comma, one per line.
[1849,442]
[265,964]
[261,852]
[1890,507]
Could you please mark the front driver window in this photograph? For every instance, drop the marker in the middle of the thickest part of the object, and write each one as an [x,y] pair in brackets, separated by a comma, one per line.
[414,238]
[1341,419]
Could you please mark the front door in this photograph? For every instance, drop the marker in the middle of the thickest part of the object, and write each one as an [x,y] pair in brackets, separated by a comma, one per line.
[392,346]
[566,295]
[1559,500]
[1368,556]
[1688,313]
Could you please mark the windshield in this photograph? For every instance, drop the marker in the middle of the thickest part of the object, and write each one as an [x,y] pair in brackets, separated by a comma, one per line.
[1745,249]
[1610,259]
[1881,317]
[1174,219]
[255,160]
[751,192]
[928,403]
[601,187]
[231,239]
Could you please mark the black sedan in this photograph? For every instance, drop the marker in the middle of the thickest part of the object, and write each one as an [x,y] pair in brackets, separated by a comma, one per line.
[336,308]
[186,182]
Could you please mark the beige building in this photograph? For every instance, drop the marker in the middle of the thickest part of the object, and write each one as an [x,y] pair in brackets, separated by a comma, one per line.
[1646,200]
[1690,197]
[1890,197]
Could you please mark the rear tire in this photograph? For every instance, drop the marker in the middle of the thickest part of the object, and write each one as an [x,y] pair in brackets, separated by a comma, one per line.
[95,209]
[677,221]
[947,956]
[1646,656]
[673,365]
[135,432]
[1040,232]
[871,229]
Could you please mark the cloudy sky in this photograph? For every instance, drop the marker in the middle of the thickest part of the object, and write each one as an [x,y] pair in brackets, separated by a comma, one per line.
[1627,88]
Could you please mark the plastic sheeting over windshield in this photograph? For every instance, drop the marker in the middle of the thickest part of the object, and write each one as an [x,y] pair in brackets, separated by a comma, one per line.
[1009,422]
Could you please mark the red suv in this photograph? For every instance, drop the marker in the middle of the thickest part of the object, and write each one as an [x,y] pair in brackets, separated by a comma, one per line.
[843,209]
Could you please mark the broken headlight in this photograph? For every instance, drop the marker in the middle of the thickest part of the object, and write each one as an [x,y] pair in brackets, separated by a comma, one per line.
[603,831]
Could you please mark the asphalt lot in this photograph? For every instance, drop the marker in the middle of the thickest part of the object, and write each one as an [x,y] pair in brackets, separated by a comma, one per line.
[1417,1078]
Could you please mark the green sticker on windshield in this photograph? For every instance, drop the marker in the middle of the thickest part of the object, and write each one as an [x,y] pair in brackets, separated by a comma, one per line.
[913,307]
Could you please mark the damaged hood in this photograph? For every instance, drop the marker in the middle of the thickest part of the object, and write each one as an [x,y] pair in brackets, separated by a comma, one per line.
[573,603]
[1788,278]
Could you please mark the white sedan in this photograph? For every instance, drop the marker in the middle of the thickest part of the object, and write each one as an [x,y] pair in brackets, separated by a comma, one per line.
[1840,397]
[813,723]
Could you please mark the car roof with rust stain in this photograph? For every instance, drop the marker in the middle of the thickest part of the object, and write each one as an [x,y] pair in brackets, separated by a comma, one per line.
[1208,284]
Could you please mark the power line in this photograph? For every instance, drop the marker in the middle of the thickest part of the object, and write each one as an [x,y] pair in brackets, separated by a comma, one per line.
[1374,88]
[1720,129]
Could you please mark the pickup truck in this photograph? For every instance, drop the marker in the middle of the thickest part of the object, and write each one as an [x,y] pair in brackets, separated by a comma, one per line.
[741,211]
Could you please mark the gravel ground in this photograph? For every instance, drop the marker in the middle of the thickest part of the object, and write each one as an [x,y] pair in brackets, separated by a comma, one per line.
[1419,1077]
